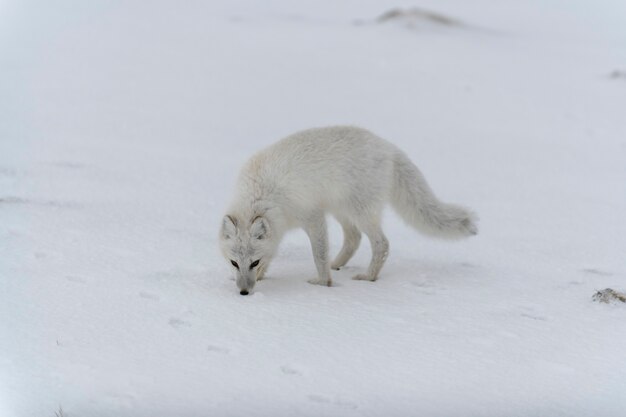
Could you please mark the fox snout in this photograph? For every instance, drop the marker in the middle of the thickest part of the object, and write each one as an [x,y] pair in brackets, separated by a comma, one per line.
[245,283]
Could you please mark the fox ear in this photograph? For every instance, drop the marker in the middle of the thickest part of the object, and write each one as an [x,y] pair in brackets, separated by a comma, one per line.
[229,227]
[259,228]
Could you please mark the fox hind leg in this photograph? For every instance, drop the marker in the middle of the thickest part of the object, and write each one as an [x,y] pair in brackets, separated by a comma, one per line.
[351,241]
[380,251]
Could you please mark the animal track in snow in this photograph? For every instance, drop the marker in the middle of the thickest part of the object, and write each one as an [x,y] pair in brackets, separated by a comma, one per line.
[321,399]
[618,74]
[7,172]
[424,287]
[177,323]
[288,370]
[599,272]
[74,278]
[19,201]
[217,349]
[148,296]
[533,317]
[68,164]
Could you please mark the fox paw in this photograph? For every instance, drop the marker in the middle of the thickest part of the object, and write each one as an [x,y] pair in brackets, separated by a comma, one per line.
[320,281]
[363,277]
[336,265]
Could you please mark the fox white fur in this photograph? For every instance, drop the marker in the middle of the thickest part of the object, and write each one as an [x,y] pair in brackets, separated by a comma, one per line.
[347,172]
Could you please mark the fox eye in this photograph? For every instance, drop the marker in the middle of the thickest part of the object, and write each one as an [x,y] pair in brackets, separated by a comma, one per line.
[254,264]
[234,264]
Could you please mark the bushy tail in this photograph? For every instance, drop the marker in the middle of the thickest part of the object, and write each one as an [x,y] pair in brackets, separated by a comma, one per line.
[415,202]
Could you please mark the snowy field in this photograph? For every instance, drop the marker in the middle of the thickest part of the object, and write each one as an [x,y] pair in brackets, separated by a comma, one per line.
[123,125]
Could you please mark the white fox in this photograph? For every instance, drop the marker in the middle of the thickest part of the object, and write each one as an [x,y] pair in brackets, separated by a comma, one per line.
[346,171]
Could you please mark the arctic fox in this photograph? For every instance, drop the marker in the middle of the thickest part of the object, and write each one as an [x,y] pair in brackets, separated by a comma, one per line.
[347,172]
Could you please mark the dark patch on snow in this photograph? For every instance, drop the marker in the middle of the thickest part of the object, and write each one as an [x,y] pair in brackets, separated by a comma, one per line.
[618,74]
[288,370]
[59,412]
[12,200]
[415,17]
[217,349]
[148,296]
[8,172]
[608,295]
[177,323]
[533,317]
[68,165]
[321,399]
[425,287]
[594,271]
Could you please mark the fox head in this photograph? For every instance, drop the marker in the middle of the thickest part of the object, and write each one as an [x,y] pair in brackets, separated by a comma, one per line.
[248,247]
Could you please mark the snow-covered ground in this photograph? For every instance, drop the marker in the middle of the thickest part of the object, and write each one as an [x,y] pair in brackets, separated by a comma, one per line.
[123,125]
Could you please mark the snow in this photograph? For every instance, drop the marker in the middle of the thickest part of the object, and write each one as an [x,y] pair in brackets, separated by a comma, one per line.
[123,125]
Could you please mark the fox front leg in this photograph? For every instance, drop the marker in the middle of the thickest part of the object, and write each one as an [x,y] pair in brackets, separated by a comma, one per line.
[315,227]
[260,274]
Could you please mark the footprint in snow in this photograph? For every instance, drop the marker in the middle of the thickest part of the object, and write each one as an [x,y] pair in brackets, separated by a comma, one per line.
[531,313]
[19,201]
[321,399]
[73,278]
[599,272]
[178,323]
[533,317]
[289,370]
[424,287]
[217,349]
[148,296]
[68,164]
[618,74]
[7,172]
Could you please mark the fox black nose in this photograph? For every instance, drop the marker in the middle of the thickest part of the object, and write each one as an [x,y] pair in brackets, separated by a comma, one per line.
[243,292]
